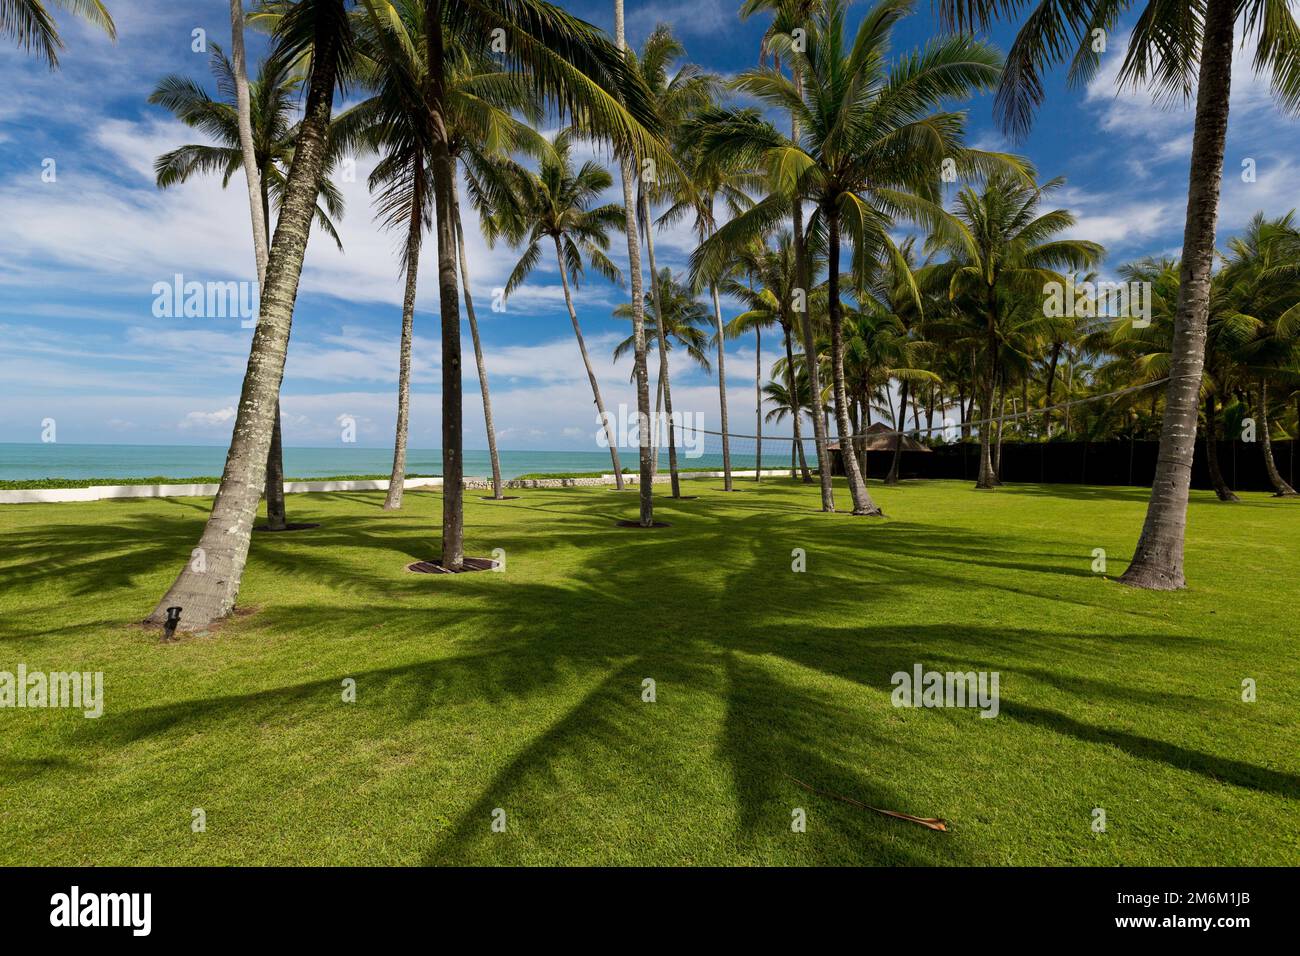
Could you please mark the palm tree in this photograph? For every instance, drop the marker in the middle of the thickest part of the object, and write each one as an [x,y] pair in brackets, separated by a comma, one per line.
[1262,275]
[712,175]
[771,305]
[793,403]
[481,130]
[890,340]
[872,144]
[675,97]
[1003,251]
[206,589]
[272,138]
[685,321]
[555,204]
[626,170]
[1178,48]
[31,25]
[568,62]
[788,16]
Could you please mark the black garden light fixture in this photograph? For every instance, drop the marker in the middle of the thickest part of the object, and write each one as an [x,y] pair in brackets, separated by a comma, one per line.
[169,626]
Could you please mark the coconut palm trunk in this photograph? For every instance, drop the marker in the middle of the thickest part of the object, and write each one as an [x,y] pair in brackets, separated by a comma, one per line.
[988,478]
[1002,417]
[646,489]
[796,412]
[862,503]
[258,207]
[1221,488]
[444,180]
[586,360]
[722,389]
[480,365]
[276,514]
[804,266]
[1280,488]
[208,587]
[1047,391]
[1158,559]
[276,518]
[892,477]
[758,402]
[665,384]
[397,480]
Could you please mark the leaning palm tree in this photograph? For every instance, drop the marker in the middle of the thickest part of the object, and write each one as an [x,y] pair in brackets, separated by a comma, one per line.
[207,587]
[30,24]
[273,133]
[555,206]
[872,144]
[1004,250]
[1180,49]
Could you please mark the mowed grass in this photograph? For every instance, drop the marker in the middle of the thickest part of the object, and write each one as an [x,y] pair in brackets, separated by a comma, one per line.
[523,690]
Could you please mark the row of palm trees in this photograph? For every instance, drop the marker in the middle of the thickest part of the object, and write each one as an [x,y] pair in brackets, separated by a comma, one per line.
[938,350]
[458,87]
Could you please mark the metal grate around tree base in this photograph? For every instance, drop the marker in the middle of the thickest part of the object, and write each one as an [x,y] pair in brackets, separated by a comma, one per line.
[470,564]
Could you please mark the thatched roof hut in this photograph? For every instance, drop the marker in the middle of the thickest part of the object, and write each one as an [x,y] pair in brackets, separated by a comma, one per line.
[880,437]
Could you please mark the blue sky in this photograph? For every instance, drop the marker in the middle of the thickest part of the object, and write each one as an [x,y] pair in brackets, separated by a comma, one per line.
[79,257]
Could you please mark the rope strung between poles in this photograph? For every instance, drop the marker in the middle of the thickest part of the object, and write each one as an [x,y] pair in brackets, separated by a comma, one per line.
[933,428]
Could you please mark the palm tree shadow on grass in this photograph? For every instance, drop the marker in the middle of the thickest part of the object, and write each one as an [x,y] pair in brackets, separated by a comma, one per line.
[702,635]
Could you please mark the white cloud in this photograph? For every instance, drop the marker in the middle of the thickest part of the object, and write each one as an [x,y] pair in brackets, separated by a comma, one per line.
[209,419]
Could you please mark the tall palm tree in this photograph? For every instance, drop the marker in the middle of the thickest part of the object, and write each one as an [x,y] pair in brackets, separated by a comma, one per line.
[1004,251]
[675,97]
[568,62]
[273,133]
[770,305]
[482,129]
[207,587]
[627,169]
[873,141]
[1178,48]
[788,16]
[712,176]
[31,25]
[1262,276]
[555,206]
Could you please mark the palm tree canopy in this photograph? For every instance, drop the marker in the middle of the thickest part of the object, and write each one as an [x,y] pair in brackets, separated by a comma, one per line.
[686,321]
[272,96]
[31,25]
[1163,49]
[556,203]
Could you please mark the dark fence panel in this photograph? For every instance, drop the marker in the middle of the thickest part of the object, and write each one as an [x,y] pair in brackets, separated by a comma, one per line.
[1088,463]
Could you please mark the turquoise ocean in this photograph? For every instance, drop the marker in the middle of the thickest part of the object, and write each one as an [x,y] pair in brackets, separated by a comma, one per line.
[27,462]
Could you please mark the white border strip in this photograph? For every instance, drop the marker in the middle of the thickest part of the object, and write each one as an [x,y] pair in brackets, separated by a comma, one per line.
[31,496]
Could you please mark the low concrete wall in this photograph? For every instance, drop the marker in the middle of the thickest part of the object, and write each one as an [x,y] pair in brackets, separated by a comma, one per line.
[99,492]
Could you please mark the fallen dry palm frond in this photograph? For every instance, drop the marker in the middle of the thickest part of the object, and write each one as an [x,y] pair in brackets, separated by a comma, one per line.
[931,823]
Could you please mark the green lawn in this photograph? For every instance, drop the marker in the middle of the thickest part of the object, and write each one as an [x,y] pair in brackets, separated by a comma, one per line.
[522,690]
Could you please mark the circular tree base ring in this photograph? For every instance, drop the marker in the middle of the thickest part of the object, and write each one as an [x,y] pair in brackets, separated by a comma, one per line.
[502,498]
[288,527]
[637,524]
[470,564]
[680,497]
